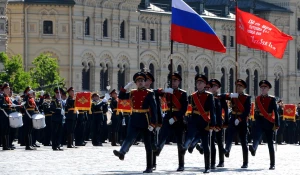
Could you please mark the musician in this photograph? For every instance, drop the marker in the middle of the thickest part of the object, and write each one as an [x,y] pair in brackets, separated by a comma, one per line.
[36,132]
[173,121]
[115,119]
[71,117]
[57,110]
[30,109]
[203,118]
[45,108]
[265,121]
[143,118]
[98,109]
[12,132]
[6,106]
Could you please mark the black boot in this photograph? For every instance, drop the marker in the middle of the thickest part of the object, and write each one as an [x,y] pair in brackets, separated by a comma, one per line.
[207,162]
[245,159]
[181,160]
[149,158]
[199,148]
[28,143]
[213,160]
[5,142]
[154,161]
[221,159]
[114,139]
[272,160]
[69,141]
[119,154]
[252,150]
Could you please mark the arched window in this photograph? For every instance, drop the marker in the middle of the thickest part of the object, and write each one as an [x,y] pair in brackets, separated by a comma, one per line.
[104,77]
[179,69]
[231,80]
[47,27]
[142,66]
[206,72]
[255,83]
[151,70]
[122,30]
[86,78]
[248,81]
[105,28]
[121,77]
[197,69]
[87,26]
[277,87]
[223,81]
[298,61]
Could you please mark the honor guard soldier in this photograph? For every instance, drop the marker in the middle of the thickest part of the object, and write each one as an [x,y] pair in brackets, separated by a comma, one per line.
[221,121]
[265,121]
[280,131]
[115,119]
[149,80]
[173,120]
[298,124]
[6,106]
[71,117]
[98,109]
[203,118]
[241,105]
[57,110]
[30,109]
[48,119]
[143,118]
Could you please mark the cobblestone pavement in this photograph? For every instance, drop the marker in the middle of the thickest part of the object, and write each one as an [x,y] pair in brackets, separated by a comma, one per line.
[100,160]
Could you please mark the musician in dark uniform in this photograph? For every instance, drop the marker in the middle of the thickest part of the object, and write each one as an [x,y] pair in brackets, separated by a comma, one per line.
[241,105]
[98,110]
[265,121]
[173,121]
[45,108]
[203,118]
[71,117]
[149,80]
[57,110]
[12,132]
[6,106]
[143,118]
[30,109]
[115,119]
[221,122]
[281,121]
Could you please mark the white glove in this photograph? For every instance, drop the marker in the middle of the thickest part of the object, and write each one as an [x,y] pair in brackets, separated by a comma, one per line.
[236,122]
[234,95]
[17,98]
[107,96]
[104,100]
[150,128]
[168,90]
[171,121]
[129,85]
[157,129]
[13,105]
[216,130]
[42,93]
[163,115]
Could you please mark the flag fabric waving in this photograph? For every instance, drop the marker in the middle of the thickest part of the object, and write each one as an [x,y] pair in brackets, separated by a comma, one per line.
[258,33]
[190,28]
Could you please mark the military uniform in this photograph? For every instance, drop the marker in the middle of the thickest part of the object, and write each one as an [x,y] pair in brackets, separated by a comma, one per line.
[240,112]
[202,119]
[71,118]
[143,117]
[45,108]
[115,120]
[179,105]
[265,122]
[281,121]
[80,127]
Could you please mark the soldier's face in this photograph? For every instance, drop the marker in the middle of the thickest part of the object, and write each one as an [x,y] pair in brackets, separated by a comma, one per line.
[114,95]
[200,85]
[239,88]
[175,83]
[140,83]
[264,89]
[148,83]
[96,98]
[214,88]
[71,93]
[7,91]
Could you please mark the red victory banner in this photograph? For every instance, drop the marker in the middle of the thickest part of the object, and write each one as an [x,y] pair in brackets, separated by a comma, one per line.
[163,103]
[83,101]
[289,111]
[124,106]
[260,34]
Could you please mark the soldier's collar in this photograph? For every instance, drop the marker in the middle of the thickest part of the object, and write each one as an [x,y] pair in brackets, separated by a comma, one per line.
[142,88]
[242,93]
[202,91]
[264,95]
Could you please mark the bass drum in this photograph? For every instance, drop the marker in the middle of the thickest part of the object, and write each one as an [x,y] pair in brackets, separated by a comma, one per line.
[108,115]
[15,120]
[38,121]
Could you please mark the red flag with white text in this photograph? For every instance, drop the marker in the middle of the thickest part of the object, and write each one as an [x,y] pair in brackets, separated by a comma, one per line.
[258,33]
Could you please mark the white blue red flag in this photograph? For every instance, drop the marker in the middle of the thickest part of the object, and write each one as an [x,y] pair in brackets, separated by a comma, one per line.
[190,28]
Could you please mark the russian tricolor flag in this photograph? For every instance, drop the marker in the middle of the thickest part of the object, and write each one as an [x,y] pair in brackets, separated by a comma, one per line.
[190,28]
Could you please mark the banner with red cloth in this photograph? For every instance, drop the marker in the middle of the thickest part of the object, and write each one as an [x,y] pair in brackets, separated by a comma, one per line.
[83,101]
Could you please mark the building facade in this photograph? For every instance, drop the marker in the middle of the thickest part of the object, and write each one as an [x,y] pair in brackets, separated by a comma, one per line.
[104,42]
[3,36]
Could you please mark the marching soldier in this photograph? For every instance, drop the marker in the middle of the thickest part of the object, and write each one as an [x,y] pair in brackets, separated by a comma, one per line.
[265,121]
[98,110]
[30,109]
[143,118]
[241,105]
[202,119]
[6,107]
[173,121]
[57,110]
[71,117]
[48,119]
[115,119]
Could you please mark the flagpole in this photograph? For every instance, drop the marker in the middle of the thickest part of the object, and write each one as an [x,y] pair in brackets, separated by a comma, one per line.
[171,73]
[236,47]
